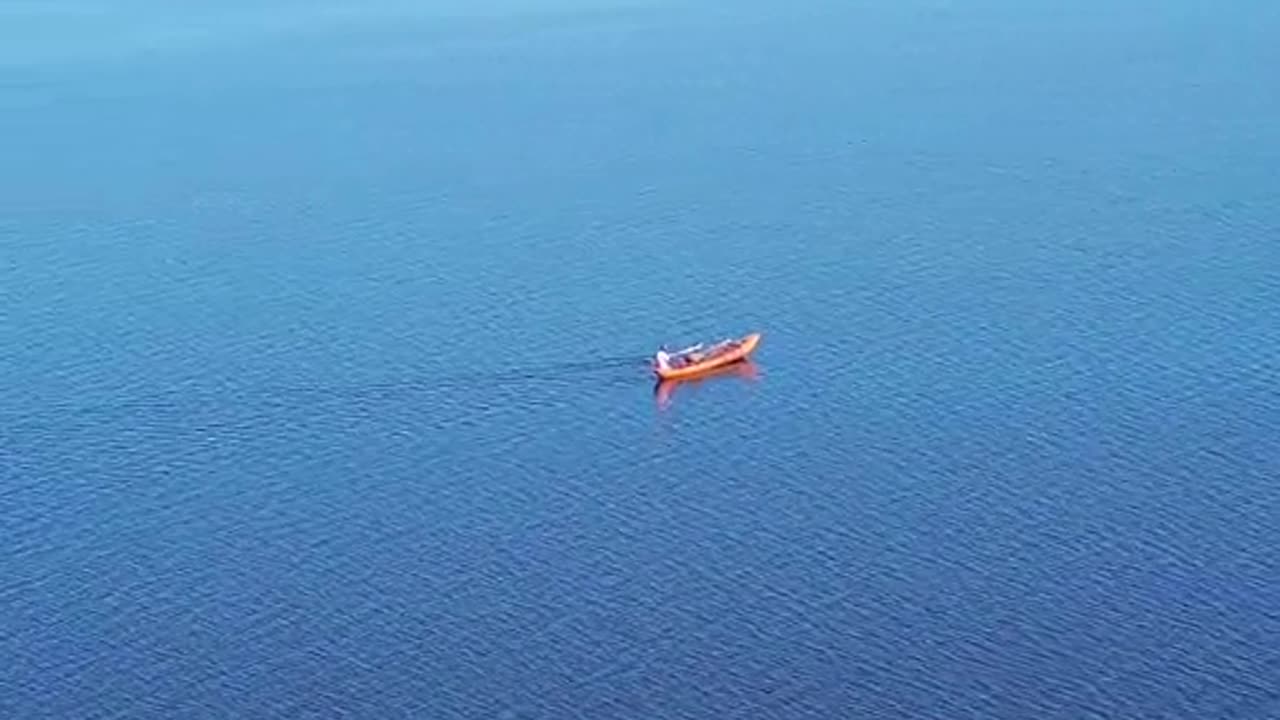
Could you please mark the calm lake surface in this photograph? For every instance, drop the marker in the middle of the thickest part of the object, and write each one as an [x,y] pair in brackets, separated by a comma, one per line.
[322,330]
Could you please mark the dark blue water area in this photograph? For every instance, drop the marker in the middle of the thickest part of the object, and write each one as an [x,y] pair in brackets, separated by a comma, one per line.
[323,328]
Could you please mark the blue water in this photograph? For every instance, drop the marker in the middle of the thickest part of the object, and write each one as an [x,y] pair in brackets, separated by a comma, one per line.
[321,328]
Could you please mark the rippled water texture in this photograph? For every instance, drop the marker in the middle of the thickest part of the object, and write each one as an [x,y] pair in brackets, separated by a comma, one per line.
[321,331]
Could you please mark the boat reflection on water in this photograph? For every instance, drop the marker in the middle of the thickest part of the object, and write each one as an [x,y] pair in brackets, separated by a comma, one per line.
[744,370]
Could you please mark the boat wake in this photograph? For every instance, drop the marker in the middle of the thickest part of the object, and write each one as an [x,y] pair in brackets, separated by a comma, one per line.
[600,371]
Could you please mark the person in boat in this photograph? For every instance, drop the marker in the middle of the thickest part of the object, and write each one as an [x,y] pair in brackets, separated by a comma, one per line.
[667,359]
[663,359]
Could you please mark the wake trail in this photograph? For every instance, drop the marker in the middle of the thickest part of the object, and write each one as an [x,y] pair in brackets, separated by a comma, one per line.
[602,370]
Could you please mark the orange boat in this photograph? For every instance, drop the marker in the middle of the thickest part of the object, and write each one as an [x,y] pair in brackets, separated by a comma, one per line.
[695,361]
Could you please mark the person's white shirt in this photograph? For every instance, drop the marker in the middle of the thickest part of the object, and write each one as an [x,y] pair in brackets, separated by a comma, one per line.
[663,359]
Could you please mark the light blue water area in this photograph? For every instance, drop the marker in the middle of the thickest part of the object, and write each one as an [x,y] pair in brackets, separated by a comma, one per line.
[322,328]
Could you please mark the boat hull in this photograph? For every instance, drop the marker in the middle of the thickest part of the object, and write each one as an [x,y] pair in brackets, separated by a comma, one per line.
[747,345]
